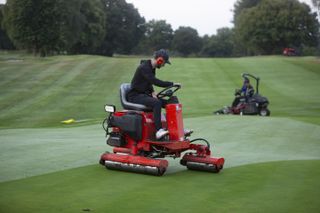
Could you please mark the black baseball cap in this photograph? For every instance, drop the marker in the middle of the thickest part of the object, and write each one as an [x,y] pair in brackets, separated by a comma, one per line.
[162,53]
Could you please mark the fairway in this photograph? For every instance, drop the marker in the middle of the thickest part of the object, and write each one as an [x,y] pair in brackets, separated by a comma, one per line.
[272,163]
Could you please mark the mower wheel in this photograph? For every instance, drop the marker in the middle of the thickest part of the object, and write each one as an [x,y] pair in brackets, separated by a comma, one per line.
[101,161]
[161,171]
[183,162]
[264,112]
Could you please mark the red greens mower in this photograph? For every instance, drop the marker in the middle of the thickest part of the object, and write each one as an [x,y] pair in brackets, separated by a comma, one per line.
[131,132]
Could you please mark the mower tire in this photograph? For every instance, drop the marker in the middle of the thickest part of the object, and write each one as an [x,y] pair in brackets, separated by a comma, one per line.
[264,112]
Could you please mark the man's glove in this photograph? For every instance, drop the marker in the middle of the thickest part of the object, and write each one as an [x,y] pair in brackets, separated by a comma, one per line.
[177,84]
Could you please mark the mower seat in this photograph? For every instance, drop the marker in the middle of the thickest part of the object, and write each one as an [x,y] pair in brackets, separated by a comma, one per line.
[124,89]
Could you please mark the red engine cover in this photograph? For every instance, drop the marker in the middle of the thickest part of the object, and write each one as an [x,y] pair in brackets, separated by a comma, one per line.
[175,122]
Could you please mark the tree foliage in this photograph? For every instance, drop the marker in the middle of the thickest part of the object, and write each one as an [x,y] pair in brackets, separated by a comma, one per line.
[220,45]
[274,24]
[72,23]
[158,34]
[124,28]
[241,5]
[5,42]
[34,25]
[186,41]
[106,27]
[90,25]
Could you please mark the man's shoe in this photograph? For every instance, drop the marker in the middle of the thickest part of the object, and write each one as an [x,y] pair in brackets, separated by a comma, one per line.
[160,133]
[187,132]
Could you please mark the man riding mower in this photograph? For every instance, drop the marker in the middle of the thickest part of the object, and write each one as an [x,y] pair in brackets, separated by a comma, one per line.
[247,101]
[131,132]
[140,134]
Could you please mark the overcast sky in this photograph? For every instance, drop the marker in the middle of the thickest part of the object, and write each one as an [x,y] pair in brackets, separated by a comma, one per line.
[206,16]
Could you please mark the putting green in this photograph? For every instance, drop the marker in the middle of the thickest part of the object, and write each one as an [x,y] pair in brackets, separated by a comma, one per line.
[241,140]
[29,152]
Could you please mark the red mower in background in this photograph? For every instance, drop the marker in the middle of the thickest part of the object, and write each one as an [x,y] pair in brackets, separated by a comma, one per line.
[132,134]
[289,52]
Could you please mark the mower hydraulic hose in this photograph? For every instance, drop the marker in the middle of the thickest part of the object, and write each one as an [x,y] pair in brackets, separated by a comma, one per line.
[201,139]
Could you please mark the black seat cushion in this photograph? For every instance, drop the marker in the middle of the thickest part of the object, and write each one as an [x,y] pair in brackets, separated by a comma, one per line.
[124,89]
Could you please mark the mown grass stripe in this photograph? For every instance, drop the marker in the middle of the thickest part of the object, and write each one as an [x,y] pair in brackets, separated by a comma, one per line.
[77,96]
[208,85]
[63,80]
[14,72]
[23,86]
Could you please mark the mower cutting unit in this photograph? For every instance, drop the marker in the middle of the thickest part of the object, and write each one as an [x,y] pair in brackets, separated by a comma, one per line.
[132,134]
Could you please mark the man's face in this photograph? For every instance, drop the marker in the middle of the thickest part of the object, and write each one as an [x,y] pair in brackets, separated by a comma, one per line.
[161,65]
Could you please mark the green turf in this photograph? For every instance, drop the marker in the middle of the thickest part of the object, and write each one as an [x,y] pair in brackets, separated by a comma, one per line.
[45,150]
[272,163]
[287,186]
[41,92]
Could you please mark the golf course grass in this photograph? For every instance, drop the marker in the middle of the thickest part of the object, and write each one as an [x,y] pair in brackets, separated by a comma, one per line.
[272,163]
[265,187]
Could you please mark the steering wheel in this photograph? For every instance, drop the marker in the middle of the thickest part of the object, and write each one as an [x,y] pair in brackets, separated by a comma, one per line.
[168,91]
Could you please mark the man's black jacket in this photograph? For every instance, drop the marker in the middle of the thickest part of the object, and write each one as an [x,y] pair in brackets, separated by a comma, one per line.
[145,77]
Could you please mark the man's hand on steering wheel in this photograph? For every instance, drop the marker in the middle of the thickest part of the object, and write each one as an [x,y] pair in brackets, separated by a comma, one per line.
[177,84]
[168,91]
[154,94]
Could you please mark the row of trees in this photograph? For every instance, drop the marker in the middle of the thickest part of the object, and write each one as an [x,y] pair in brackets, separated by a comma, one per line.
[106,27]
[274,24]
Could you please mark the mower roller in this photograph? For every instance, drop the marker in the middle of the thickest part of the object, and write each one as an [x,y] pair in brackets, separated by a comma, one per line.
[131,132]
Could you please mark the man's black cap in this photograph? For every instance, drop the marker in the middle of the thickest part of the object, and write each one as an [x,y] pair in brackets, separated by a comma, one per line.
[162,53]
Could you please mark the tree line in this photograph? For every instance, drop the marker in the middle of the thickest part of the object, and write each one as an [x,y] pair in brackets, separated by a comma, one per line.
[108,27]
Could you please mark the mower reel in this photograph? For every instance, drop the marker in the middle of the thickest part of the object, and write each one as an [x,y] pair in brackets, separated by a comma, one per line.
[133,163]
